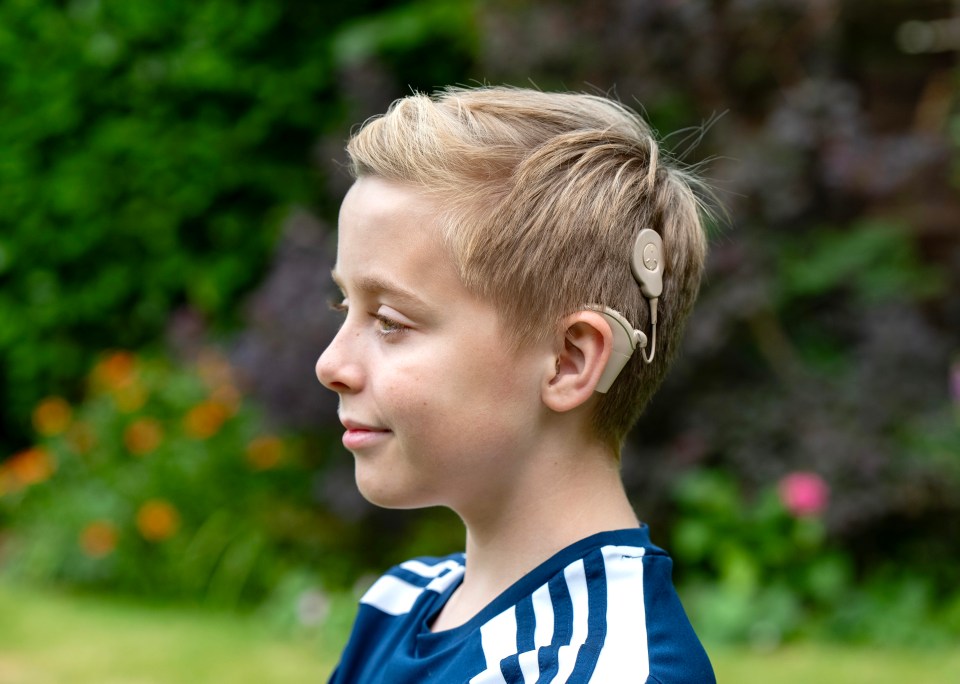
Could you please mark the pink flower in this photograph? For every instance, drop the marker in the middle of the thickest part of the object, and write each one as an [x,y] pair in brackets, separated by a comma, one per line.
[804,493]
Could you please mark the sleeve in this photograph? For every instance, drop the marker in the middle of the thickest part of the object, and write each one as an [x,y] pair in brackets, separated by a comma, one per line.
[676,654]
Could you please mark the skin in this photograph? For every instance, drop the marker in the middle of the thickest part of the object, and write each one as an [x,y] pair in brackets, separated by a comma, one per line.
[440,410]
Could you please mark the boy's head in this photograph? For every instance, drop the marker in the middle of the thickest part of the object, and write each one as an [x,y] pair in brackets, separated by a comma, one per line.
[543,195]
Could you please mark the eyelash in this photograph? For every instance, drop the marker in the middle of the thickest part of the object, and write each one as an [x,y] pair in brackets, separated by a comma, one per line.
[386,326]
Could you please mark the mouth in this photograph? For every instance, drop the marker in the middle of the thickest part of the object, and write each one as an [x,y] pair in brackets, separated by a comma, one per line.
[360,435]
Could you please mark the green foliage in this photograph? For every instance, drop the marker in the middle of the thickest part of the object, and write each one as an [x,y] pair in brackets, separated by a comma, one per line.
[149,150]
[935,440]
[752,568]
[159,483]
[753,572]
[892,609]
[872,260]
[407,27]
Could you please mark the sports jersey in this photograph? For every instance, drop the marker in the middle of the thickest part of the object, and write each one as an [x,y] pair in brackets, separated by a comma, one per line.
[601,610]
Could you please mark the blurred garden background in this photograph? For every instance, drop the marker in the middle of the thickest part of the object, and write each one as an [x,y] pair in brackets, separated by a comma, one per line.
[175,504]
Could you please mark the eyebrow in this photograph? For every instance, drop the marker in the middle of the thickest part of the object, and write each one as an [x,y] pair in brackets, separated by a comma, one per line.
[372,284]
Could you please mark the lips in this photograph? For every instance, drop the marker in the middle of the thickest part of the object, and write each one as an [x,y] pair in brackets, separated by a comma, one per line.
[360,435]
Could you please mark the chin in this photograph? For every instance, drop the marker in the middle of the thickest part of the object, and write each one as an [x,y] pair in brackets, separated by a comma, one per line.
[387,496]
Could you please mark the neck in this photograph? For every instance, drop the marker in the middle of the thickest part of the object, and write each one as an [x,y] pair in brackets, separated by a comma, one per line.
[562,496]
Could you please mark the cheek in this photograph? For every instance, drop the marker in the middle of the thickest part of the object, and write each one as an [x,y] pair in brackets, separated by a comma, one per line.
[487,396]
[405,390]
[462,392]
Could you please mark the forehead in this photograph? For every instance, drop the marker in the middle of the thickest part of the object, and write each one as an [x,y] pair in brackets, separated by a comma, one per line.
[376,200]
[389,234]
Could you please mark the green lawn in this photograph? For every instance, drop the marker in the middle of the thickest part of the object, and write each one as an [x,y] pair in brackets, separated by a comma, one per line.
[58,639]
[46,638]
[820,664]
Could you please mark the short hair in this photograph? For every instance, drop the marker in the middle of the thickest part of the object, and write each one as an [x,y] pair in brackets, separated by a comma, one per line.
[543,195]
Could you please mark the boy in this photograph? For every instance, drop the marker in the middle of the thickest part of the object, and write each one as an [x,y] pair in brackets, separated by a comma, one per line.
[516,267]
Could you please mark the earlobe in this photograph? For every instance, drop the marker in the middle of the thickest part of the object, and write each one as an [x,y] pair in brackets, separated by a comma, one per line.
[580,362]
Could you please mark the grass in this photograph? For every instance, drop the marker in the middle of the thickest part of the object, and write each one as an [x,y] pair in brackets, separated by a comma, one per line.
[51,638]
[826,664]
[48,638]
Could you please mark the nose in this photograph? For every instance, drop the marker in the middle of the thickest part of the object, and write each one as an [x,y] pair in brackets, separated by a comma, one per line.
[337,368]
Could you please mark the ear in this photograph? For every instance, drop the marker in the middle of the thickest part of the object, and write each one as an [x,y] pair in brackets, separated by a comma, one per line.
[583,354]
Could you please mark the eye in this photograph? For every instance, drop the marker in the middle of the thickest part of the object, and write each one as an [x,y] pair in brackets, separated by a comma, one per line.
[338,304]
[387,326]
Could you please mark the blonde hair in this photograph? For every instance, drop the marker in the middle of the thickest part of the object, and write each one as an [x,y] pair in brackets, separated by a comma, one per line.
[544,194]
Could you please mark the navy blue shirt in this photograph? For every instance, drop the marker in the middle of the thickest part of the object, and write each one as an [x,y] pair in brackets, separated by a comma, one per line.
[601,610]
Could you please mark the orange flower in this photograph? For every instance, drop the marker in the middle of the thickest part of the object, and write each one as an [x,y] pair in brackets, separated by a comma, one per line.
[116,370]
[31,466]
[98,539]
[81,437]
[157,520]
[143,436]
[265,452]
[52,416]
[205,419]
[130,397]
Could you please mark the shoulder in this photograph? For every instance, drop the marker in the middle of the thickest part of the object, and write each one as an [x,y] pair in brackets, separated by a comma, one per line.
[390,614]
[675,654]
[607,613]
[397,590]
[647,629]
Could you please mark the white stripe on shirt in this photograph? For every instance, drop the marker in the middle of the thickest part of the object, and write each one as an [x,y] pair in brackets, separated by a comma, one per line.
[625,655]
[441,583]
[542,634]
[577,586]
[498,638]
[424,570]
[392,595]
[543,614]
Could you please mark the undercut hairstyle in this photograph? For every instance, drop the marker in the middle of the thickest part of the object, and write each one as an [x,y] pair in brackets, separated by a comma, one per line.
[542,197]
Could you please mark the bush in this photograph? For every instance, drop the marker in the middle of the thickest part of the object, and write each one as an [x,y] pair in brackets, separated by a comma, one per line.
[762,570]
[160,482]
